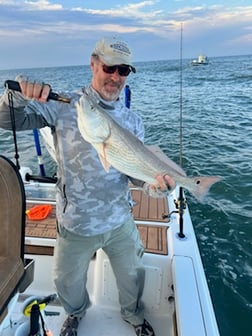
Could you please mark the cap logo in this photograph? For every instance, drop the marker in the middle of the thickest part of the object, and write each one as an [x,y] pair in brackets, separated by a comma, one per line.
[121,48]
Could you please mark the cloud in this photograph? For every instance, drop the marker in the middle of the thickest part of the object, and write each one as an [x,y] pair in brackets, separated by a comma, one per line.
[217,15]
[31,19]
[42,5]
[128,18]
[241,40]
[220,25]
[37,27]
[129,10]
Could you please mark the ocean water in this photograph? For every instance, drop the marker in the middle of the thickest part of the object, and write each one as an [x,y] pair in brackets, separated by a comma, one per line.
[217,140]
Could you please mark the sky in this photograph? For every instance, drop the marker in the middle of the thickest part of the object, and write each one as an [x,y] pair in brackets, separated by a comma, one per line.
[61,32]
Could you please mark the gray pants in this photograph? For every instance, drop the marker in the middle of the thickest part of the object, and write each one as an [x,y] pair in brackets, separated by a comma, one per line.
[72,257]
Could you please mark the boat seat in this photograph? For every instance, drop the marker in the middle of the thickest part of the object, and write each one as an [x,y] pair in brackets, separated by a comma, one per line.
[12,228]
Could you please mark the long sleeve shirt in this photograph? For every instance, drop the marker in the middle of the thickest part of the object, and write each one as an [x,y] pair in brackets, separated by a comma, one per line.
[89,200]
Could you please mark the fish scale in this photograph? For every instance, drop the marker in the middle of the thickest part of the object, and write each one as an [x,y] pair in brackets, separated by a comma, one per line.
[119,148]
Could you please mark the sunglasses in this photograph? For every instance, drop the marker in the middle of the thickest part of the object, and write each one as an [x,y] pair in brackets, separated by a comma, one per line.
[123,70]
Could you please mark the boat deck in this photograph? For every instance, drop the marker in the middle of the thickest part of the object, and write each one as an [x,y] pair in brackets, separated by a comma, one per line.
[148,213]
[103,318]
[108,322]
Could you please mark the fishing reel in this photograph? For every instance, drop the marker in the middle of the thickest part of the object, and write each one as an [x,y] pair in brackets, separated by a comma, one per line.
[180,204]
[41,302]
[34,322]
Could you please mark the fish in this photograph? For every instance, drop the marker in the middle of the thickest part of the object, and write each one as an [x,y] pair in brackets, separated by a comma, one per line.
[119,148]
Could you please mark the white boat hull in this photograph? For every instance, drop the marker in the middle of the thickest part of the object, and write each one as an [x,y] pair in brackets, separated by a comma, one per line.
[176,295]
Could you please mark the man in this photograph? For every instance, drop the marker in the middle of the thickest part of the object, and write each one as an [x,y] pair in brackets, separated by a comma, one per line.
[93,208]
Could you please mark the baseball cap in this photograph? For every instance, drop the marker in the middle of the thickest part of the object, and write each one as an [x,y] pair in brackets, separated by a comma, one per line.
[114,52]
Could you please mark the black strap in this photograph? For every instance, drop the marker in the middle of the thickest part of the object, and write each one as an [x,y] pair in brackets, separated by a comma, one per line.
[42,324]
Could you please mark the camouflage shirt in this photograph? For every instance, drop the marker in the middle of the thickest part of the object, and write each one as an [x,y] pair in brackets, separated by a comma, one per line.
[89,200]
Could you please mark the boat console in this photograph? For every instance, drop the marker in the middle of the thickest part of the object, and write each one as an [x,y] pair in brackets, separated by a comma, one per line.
[16,273]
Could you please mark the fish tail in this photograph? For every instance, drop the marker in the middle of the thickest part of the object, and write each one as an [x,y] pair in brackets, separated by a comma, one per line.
[201,184]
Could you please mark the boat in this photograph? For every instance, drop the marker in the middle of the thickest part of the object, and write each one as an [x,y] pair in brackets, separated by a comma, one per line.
[201,60]
[176,294]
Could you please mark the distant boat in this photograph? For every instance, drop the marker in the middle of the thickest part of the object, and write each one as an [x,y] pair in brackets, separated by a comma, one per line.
[201,60]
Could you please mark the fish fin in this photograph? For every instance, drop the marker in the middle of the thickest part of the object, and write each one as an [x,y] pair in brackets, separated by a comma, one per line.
[163,157]
[106,165]
[201,185]
[103,157]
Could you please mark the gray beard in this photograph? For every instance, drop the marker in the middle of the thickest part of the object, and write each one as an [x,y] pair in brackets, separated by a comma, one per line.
[110,96]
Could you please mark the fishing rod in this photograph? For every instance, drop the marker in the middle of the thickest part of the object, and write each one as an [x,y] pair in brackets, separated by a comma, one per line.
[13,124]
[181,203]
[15,86]
[181,100]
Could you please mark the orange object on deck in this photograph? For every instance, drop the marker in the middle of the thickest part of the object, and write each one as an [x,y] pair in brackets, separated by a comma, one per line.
[39,212]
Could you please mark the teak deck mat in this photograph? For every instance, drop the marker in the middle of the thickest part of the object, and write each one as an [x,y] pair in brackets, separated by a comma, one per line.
[154,238]
[149,208]
[145,209]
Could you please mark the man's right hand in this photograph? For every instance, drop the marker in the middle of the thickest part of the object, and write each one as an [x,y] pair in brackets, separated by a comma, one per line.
[34,89]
